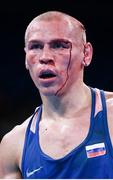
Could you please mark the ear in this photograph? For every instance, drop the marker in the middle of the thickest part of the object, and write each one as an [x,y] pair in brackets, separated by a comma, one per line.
[88,53]
[26,64]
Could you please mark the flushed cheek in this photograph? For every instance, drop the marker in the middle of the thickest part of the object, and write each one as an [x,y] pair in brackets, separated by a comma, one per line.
[64,66]
[63,73]
[31,59]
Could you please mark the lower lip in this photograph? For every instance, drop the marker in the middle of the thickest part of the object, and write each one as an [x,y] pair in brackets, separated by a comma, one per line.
[47,81]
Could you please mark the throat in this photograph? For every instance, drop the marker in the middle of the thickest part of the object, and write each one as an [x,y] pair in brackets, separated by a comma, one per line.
[67,106]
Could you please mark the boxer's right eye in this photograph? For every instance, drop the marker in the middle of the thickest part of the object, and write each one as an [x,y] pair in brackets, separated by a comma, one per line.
[35,45]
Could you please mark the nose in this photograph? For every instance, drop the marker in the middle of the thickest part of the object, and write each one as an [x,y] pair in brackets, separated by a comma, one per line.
[46,56]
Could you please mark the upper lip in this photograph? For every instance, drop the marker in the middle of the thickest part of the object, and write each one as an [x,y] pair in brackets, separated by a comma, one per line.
[46,73]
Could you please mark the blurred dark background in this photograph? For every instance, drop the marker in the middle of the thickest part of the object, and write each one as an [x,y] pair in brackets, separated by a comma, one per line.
[18,95]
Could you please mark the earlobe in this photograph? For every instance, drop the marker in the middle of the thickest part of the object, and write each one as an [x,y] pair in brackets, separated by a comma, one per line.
[84,63]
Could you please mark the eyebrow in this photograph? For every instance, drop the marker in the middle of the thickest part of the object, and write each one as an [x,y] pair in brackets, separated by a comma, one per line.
[60,40]
[51,41]
[34,41]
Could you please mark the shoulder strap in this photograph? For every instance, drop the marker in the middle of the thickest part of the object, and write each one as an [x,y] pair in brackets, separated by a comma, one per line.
[35,118]
[104,108]
[93,94]
[28,137]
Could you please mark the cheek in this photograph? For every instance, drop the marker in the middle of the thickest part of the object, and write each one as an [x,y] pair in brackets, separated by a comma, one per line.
[31,58]
[77,58]
[31,64]
[63,68]
[63,63]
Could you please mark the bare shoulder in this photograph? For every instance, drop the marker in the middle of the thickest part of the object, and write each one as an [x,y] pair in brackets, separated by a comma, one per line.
[11,148]
[109,95]
[109,100]
[15,138]
[15,134]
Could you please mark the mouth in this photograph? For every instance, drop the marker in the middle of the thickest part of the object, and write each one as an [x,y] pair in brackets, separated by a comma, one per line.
[47,74]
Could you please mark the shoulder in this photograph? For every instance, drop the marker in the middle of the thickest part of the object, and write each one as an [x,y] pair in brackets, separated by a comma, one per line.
[109,102]
[16,133]
[11,148]
[16,137]
[109,95]
[109,99]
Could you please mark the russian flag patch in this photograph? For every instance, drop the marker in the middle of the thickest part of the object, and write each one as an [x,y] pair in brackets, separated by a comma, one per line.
[95,150]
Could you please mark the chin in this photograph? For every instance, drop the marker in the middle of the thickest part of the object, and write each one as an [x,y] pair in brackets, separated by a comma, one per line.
[48,92]
[52,93]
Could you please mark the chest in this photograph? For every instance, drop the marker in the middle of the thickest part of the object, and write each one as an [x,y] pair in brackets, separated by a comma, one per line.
[57,140]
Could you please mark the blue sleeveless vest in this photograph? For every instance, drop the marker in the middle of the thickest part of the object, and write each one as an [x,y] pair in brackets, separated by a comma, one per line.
[92,159]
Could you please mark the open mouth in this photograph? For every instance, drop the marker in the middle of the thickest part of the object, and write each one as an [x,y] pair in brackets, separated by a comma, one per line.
[47,74]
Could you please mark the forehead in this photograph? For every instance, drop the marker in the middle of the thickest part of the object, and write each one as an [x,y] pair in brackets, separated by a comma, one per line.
[51,30]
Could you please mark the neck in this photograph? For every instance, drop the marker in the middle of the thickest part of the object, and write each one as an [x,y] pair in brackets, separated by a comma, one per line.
[68,105]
